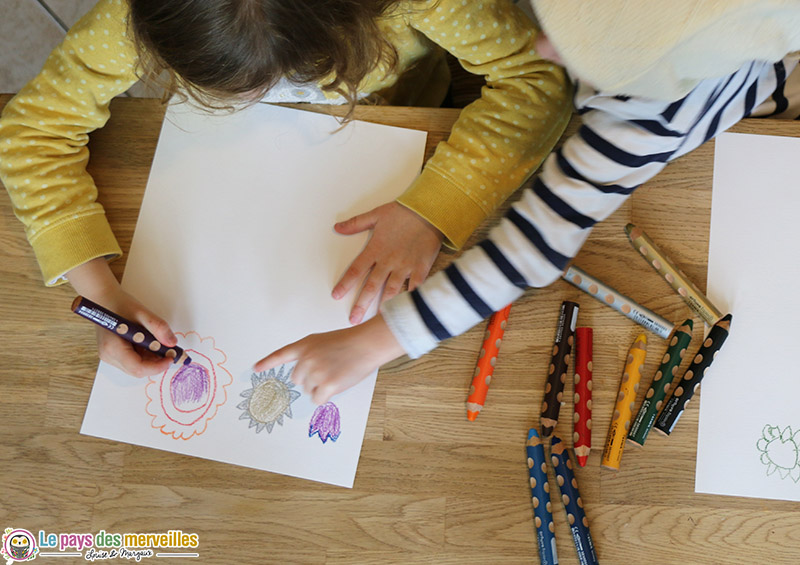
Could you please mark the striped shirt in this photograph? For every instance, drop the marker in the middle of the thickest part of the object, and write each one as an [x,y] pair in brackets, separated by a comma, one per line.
[622,143]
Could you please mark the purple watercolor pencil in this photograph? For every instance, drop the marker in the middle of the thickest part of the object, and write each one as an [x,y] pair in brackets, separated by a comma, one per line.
[127,330]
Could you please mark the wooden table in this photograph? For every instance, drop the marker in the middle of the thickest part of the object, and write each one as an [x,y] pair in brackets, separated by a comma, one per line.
[431,487]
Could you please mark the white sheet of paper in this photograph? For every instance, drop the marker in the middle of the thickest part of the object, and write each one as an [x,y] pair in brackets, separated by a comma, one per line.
[235,242]
[749,409]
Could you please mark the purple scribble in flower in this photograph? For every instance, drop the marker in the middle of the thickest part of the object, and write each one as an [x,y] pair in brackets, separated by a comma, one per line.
[325,422]
[189,387]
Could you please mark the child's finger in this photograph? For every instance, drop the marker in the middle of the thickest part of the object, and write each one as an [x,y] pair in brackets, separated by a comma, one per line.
[323,393]
[417,278]
[154,365]
[158,327]
[281,356]
[298,376]
[358,268]
[372,287]
[393,285]
[357,224]
[122,355]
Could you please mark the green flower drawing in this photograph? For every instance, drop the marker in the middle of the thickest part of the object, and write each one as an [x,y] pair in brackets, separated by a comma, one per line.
[780,451]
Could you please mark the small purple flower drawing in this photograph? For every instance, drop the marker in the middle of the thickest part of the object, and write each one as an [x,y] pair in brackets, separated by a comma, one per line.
[325,422]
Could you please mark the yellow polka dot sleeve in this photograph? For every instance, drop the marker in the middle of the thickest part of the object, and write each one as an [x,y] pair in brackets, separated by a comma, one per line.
[500,139]
[43,136]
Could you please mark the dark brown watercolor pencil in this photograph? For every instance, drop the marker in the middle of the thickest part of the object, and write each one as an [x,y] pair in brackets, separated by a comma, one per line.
[557,375]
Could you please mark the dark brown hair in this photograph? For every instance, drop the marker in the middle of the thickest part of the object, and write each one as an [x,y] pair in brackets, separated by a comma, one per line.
[219,50]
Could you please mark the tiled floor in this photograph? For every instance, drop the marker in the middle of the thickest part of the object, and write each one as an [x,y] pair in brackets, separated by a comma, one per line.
[29,30]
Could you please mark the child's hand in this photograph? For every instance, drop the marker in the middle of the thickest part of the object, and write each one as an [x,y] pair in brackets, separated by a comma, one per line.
[332,362]
[403,246]
[95,281]
[136,361]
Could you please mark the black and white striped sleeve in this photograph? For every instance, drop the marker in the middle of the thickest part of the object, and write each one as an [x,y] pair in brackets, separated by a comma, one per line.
[580,184]
[622,143]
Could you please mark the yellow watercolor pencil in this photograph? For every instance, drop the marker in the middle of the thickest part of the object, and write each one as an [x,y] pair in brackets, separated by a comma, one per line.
[623,411]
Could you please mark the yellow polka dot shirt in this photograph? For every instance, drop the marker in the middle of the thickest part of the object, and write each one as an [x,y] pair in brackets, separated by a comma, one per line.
[497,142]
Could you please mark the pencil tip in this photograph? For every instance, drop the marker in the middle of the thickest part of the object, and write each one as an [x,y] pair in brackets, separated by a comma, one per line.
[724,322]
[471,415]
[582,459]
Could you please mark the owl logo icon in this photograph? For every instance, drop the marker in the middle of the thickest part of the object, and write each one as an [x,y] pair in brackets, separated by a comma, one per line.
[18,545]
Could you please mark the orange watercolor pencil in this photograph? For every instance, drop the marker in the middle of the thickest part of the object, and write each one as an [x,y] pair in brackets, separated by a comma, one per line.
[487,358]
[623,411]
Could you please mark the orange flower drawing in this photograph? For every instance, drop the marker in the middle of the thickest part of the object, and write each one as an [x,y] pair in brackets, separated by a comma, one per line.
[186,397]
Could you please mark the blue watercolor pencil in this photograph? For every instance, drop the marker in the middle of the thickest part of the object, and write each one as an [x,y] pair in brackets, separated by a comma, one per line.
[573,505]
[540,497]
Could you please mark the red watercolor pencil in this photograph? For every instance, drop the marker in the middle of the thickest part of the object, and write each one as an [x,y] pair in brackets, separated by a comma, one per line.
[582,419]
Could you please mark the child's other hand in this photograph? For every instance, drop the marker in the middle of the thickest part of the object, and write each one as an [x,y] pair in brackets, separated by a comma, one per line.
[332,362]
[403,246]
[95,281]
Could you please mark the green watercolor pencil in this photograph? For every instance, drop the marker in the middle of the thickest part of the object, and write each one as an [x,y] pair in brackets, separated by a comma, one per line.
[662,381]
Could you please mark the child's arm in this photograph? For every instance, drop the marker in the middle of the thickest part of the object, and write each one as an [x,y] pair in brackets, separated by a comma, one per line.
[43,136]
[43,156]
[497,142]
[581,184]
[500,139]
[332,362]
